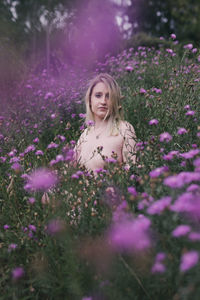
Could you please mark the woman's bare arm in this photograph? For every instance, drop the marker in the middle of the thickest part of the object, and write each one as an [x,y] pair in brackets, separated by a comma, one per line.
[129,144]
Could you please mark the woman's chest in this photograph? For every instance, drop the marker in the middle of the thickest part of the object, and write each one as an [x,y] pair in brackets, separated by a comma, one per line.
[106,145]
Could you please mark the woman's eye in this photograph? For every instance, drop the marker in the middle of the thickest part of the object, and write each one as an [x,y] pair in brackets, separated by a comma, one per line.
[98,96]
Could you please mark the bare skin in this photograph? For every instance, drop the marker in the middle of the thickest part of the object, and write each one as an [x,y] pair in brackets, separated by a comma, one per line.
[123,144]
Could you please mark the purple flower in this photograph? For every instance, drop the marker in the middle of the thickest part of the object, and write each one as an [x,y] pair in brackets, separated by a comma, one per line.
[158,267]
[153,122]
[29,149]
[173,36]
[131,235]
[17,273]
[39,152]
[190,113]
[36,140]
[53,116]
[158,171]
[196,163]
[69,155]
[159,206]
[181,230]
[170,51]
[132,191]
[55,227]
[193,188]
[129,68]
[12,247]
[187,107]
[41,179]
[189,260]
[165,137]
[194,236]
[31,200]
[48,95]
[142,91]
[188,203]
[5,227]
[160,256]
[52,145]
[181,131]
[179,180]
[16,167]
[170,155]
[190,154]
[59,158]
[82,116]
[188,46]
[32,227]
[111,160]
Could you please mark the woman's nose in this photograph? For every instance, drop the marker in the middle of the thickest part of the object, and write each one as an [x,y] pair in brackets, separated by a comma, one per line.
[104,99]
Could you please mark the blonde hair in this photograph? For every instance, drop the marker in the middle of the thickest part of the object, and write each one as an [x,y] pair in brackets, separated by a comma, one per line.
[116,114]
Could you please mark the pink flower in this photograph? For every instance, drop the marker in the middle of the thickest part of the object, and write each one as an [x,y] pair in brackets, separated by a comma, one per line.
[181,230]
[52,145]
[131,235]
[129,68]
[5,227]
[190,113]
[159,206]
[188,46]
[132,191]
[39,152]
[12,247]
[48,95]
[41,179]
[194,236]
[181,131]
[158,171]
[142,91]
[189,260]
[31,200]
[153,122]
[55,227]
[190,154]
[158,267]
[17,273]
[165,137]
[173,36]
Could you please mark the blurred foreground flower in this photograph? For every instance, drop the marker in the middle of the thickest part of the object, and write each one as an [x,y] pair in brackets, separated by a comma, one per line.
[131,234]
[55,227]
[17,273]
[189,260]
[41,179]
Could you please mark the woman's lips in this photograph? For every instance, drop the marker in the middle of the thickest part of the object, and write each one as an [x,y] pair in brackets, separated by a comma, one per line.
[102,107]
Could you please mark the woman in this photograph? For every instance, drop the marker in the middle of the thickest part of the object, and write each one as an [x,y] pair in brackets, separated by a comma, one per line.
[106,129]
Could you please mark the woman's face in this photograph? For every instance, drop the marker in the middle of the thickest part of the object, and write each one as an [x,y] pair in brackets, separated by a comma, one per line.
[100,101]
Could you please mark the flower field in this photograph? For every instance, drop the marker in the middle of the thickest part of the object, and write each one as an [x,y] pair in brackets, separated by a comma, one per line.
[126,233]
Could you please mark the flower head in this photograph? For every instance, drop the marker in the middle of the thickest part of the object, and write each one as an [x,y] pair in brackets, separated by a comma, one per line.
[17,273]
[153,122]
[131,234]
[189,260]
[41,179]
[165,137]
